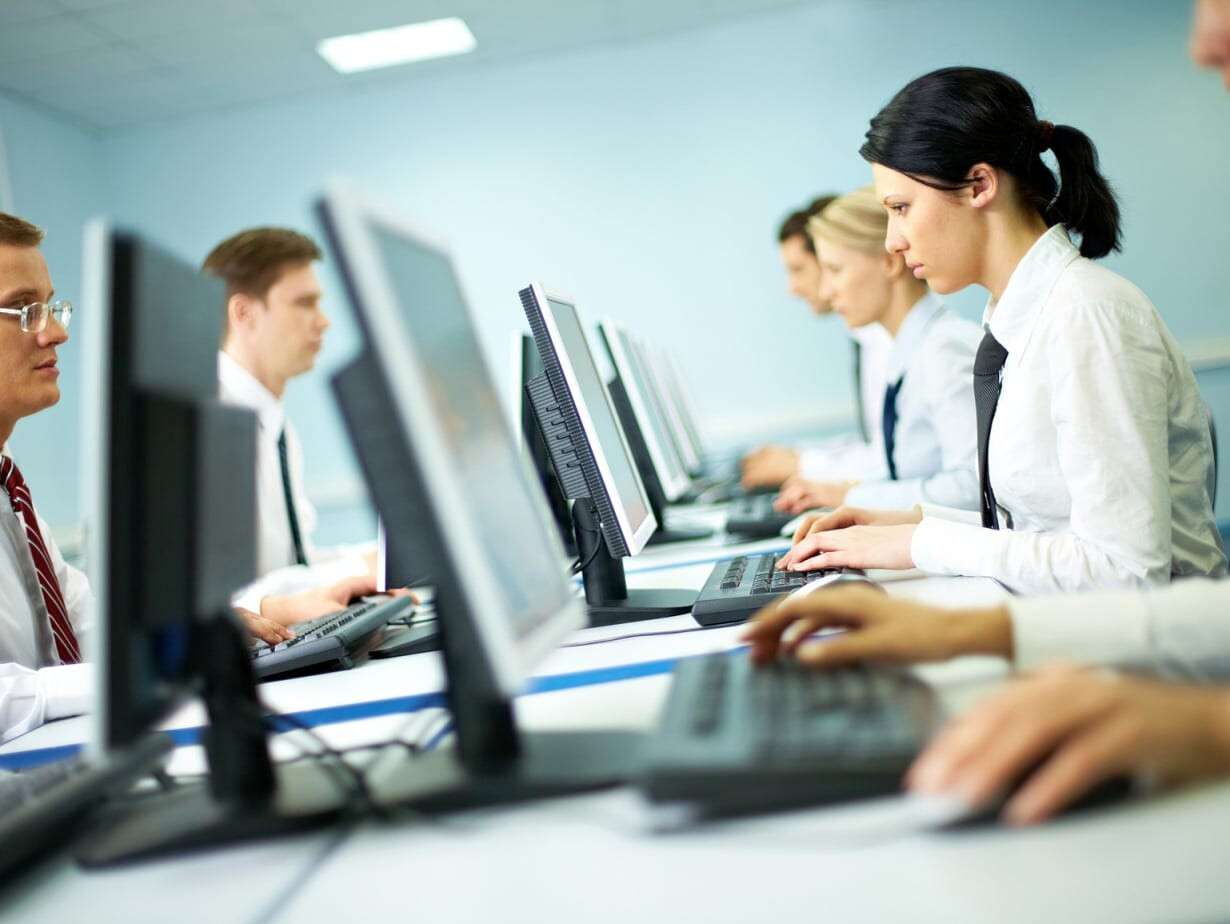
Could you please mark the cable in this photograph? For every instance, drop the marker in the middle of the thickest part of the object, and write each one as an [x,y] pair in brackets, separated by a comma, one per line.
[621,638]
[592,555]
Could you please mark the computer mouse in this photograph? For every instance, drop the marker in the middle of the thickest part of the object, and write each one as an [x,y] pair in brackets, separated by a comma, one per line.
[837,578]
[1109,792]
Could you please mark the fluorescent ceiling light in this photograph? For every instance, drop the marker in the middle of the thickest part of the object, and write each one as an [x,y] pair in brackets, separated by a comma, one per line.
[418,41]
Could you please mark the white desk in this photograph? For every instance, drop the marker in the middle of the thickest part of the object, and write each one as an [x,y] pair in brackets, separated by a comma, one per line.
[590,858]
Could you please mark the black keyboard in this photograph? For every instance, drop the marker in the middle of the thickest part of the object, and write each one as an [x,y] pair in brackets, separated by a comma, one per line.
[736,738]
[739,587]
[753,516]
[335,640]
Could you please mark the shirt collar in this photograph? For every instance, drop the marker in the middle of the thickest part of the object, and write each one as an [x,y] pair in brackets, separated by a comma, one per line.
[1012,318]
[911,333]
[240,387]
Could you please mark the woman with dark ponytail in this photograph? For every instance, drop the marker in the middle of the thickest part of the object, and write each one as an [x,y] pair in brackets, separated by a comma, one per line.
[1098,469]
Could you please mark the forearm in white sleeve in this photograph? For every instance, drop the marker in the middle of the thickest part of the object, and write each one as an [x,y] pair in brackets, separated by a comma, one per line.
[1179,632]
[29,697]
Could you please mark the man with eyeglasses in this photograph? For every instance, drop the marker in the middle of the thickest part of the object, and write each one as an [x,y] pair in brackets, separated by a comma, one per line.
[45,603]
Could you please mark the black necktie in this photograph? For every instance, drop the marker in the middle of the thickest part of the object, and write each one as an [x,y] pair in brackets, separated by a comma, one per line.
[987,366]
[291,515]
[890,425]
[856,350]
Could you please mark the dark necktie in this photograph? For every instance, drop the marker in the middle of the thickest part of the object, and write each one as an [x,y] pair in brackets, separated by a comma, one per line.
[291,515]
[988,364]
[890,425]
[53,597]
[856,351]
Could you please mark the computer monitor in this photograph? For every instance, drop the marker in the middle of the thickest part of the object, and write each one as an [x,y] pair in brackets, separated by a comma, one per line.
[645,420]
[169,479]
[611,515]
[442,465]
[655,364]
[680,398]
[526,366]
[644,425]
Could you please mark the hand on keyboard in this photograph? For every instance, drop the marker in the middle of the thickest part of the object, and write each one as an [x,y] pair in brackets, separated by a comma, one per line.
[316,602]
[855,516]
[882,629]
[265,630]
[799,494]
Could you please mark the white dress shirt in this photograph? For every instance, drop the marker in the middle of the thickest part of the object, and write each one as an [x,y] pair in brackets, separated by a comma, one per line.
[1180,632]
[849,457]
[936,440]
[1100,452]
[277,569]
[34,686]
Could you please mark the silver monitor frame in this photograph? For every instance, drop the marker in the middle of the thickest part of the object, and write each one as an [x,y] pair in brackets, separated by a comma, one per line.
[510,657]
[667,462]
[634,536]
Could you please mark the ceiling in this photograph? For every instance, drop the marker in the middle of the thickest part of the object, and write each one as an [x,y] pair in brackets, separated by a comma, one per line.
[112,63]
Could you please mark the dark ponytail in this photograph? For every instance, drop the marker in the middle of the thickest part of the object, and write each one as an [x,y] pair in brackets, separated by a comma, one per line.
[941,124]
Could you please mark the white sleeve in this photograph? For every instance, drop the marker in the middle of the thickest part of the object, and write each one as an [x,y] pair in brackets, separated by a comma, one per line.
[851,459]
[1181,631]
[1109,409]
[30,697]
[346,561]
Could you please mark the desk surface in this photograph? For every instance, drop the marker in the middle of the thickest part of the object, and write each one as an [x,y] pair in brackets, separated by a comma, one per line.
[593,858]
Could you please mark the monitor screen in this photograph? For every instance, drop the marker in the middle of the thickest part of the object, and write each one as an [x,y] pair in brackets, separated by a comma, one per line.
[494,527]
[654,366]
[649,417]
[612,454]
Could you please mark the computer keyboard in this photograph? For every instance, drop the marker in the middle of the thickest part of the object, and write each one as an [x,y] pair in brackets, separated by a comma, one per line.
[739,587]
[334,640]
[753,516]
[737,738]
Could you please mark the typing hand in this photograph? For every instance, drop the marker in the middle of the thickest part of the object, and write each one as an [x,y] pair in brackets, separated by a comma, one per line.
[768,466]
[855,516]
[852,547]
[799,494]
[318,601]
[879,628]
[1076,728]
[268,631]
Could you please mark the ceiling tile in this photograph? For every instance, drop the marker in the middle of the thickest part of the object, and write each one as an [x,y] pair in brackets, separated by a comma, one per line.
[141,19]
[92,67]
[19,11]
[51,36]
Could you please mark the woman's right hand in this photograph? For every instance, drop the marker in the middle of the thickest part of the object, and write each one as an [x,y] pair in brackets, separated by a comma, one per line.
[855,516]
[879,628]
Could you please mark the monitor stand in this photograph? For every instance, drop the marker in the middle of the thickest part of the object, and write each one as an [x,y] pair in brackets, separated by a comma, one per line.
[607,597]
[494,763]
[245,798]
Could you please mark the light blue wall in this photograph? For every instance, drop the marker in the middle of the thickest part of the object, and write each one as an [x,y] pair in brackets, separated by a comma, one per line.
[56,176]
[647,179]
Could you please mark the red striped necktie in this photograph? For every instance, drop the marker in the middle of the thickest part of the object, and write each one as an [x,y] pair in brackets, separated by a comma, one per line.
[61,629]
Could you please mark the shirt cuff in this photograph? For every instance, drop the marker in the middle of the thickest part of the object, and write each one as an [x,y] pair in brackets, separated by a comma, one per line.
[69,690]
[1094,628]
[955,514]
[942,546]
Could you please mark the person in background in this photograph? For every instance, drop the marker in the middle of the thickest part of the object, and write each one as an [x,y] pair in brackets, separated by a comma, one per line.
[1064,728]
[273,328]
[927,409]
[1094,449]
[46,608]
[857,456]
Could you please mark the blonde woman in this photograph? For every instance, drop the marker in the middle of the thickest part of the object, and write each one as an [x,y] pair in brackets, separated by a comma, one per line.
[926,417]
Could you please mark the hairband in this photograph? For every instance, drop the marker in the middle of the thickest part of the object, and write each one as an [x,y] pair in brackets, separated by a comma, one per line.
[1045,131]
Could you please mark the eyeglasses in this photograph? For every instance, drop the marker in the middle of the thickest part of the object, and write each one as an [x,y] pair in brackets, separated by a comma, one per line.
[34,315]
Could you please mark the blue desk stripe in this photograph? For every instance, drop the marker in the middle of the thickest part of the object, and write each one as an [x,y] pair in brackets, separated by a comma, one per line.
[331,715]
